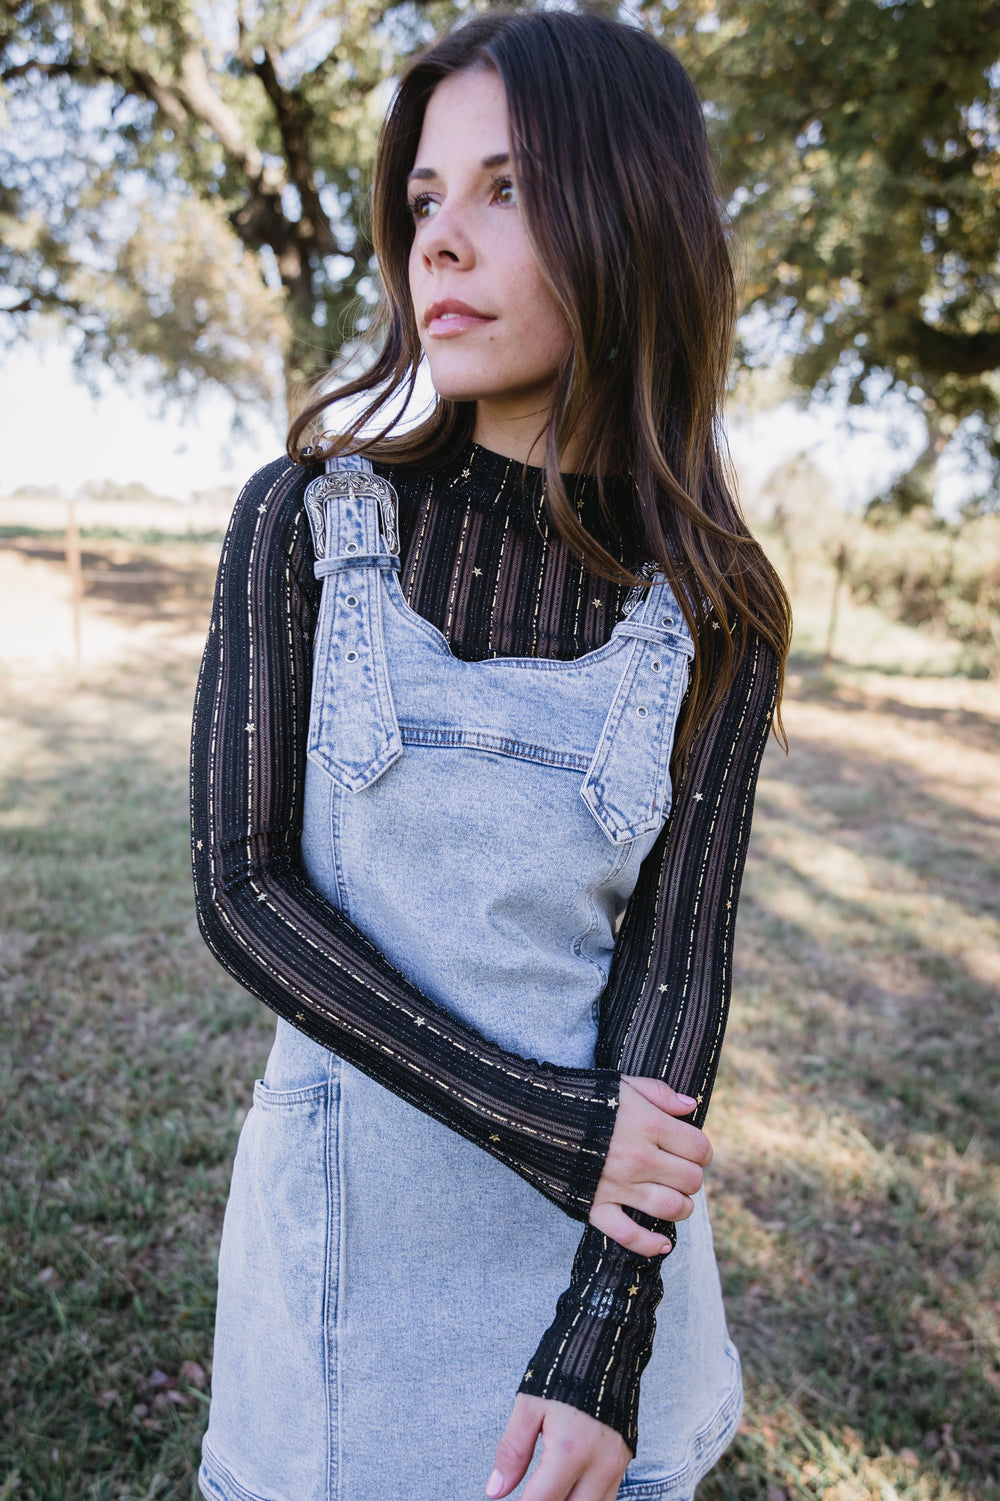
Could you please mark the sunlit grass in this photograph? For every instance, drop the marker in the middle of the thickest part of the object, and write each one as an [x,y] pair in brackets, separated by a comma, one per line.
[855,1190]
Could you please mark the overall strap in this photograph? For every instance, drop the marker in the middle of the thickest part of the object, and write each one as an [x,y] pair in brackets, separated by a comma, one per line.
[353,729]
[653,614]
[345,506]
[627,786]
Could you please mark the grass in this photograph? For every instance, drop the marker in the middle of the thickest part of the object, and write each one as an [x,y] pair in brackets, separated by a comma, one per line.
[855,1191]
[125,1066]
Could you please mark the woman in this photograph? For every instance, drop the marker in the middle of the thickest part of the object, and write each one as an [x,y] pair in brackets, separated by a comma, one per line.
[430,816]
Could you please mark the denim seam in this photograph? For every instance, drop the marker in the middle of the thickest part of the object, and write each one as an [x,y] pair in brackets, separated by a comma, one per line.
[707,1446]
[501,745]
[278,1099]
[331,1288]
[337,795]
[620,856]
[223,1482]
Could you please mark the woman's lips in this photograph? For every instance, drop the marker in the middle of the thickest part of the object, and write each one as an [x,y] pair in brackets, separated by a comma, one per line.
[443,320]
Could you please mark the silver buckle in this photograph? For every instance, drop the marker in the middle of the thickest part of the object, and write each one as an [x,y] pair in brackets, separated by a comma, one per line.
[339,483]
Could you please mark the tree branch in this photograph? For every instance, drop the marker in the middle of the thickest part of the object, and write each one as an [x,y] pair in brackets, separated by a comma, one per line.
[68,68]
[294,119]
[940,352]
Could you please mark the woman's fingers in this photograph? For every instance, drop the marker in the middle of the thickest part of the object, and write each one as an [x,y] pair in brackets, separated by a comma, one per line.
[683,1140]
[659,1202]
[582,1459]
[638,1163]
[517,1445]
[660,1094]
[654,1164]
[664,1128]
[613,1222]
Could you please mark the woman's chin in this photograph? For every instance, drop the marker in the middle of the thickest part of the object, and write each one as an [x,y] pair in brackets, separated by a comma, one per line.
[452,387]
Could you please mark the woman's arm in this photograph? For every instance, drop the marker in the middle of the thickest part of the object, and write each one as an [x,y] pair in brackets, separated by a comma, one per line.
[288,945]
[663,1016]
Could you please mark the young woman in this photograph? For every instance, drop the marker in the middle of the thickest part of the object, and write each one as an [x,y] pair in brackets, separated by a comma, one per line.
[476,740]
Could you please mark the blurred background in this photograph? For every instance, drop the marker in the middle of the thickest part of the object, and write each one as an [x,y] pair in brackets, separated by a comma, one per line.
[183,242]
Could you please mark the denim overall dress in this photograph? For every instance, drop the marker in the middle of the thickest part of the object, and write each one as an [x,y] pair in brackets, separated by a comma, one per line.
[383,1283]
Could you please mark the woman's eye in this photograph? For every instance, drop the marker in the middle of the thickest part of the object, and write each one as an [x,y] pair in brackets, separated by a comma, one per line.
[422,206]
[505,191]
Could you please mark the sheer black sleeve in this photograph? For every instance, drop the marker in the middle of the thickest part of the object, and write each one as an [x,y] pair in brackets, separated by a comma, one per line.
[664,1009]
[288,945]
[663,1016]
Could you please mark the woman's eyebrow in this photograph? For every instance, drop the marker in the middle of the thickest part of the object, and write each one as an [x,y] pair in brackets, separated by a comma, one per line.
[488,163]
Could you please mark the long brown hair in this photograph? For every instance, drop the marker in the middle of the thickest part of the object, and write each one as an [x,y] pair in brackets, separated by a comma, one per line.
[620,204]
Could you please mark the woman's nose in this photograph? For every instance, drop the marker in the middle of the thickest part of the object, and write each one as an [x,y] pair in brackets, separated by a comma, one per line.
[445,240]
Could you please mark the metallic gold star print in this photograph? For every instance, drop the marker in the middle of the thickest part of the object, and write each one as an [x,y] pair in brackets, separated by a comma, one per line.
[262,896]
[261,509]
[633,1289]
[699,797]
[300,1016]
[477,573]
[664,989]
[250,727]
[199,845]
[466,472]
[715,625]
[494,1138]
[700,1098]
[598,603]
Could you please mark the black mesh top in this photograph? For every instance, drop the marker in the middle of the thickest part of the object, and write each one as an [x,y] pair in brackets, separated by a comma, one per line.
[479,563]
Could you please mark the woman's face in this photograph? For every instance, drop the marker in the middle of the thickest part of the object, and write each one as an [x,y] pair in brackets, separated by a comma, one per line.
[488,324]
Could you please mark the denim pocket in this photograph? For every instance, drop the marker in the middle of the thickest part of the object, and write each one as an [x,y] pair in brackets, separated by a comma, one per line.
[277,1264]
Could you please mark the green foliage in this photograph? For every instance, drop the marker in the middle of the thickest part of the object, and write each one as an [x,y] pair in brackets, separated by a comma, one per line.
[185,184]
[929,574]
[859,139]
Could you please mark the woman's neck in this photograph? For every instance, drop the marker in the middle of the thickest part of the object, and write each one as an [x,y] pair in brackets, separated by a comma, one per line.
[519,435]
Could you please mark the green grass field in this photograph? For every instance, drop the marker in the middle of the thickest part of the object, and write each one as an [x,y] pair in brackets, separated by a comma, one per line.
[855,1192]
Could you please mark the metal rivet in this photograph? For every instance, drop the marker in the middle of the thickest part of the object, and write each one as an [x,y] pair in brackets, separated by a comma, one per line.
[351,601]
[351,656]
[657,666]
[351,547]
[667,620]
[642,711]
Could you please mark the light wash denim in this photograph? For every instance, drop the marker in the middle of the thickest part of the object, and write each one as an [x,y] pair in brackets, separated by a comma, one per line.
[382,1282]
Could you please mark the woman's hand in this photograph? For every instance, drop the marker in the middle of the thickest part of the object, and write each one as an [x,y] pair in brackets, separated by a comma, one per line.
[654,1163]
[582,1459]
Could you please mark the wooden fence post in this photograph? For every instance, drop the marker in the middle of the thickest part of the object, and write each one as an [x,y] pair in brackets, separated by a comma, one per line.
[841,558]
[75,570]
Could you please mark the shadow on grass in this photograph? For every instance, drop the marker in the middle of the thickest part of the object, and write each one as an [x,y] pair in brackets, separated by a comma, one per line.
[972,727]
[856,1210]
[126,1065]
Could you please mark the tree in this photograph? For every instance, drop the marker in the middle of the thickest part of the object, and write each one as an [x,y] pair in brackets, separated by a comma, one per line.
[859,139]
[185,184]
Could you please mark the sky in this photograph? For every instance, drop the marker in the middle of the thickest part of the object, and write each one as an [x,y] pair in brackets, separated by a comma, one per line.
[56,433]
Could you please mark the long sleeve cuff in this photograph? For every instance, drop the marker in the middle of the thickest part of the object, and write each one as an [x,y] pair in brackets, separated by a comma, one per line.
[594,1352]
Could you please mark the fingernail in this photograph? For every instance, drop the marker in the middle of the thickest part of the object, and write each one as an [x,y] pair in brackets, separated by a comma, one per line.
[686,1099]
[666,1248]
[495,1483]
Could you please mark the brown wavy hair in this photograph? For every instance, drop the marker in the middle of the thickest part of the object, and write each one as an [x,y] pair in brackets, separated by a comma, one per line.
[619,200]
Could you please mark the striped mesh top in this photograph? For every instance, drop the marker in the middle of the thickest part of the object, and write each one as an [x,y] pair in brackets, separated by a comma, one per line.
[479,562]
